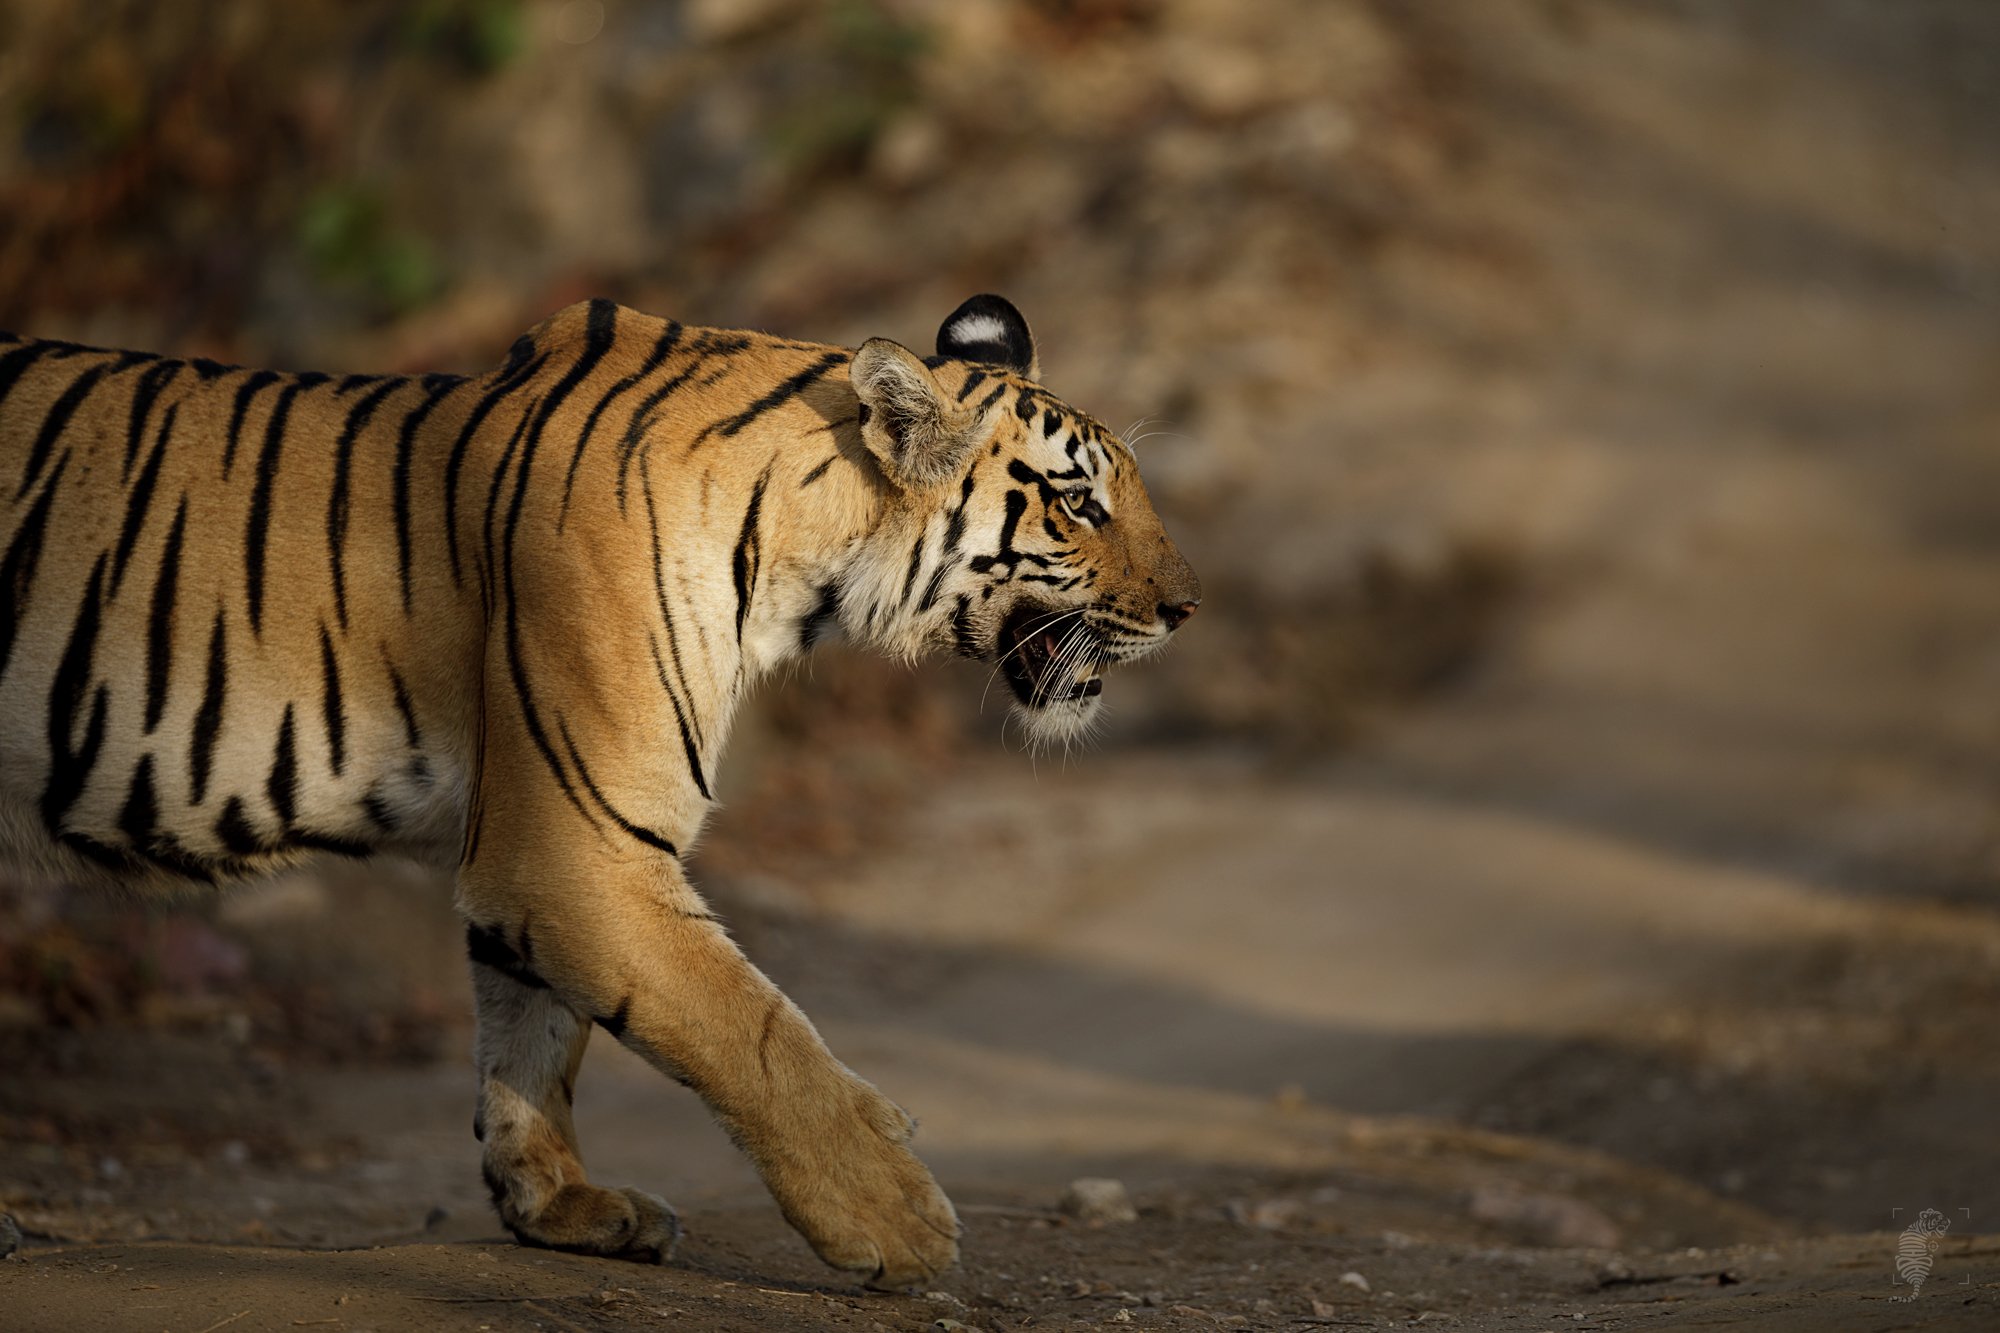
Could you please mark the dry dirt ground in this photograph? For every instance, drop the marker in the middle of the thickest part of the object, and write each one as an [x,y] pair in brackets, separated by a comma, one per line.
[1718,1092]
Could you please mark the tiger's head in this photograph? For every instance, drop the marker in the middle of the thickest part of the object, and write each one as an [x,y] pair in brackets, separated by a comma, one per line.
[1019,531]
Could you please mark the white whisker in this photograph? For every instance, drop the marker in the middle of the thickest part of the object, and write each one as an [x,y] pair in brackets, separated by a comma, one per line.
[1028,637]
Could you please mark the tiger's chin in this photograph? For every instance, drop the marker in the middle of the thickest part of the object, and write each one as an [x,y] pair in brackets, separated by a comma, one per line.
[1060,723]
[1054,664]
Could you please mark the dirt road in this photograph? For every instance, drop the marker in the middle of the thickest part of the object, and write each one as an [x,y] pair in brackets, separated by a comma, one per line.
[1280,1009]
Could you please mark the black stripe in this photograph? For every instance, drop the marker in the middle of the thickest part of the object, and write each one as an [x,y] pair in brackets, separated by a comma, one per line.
[1051,423]
[139,822]
[667,615]
[336,714]
[70,765]
[16,363]
[140,502]
[999,392]
[743,563]
[24,555]
[961,628]
[653,361]
[687,737]
[818,472]
[916,563]
[410,732]
[639,831]
[598,341]
[244,393]
[377,810]
[488,947]
[935,586]
[600,332]
[337,502]
[517,373]
[208,718]
[282,786]
[349,383]
[954,525]
[815,620]
[258,530]
[439,388]
[493,494]
[784,393]
[143,397]
[141,815]
[54,423]
[642,415]
[232,827]
[209,370]
[973,379]
[160,622]
[1005,554]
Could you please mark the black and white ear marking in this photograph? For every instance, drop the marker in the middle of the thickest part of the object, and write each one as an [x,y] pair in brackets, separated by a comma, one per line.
[989,328]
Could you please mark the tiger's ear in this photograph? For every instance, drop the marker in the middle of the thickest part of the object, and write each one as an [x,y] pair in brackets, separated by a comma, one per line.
[989,328]
[918,435]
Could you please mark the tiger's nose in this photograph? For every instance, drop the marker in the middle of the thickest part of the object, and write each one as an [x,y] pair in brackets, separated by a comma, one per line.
[1174,615]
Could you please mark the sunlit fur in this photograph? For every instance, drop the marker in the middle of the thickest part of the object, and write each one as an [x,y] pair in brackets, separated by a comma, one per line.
[501,624]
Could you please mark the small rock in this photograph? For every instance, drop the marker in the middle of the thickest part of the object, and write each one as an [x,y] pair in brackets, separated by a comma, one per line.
[1551,1219]
[1324,1309]
[1099,1199]
[10,1235]
[1120,1317]
[952,1326]
[1355,1280]
[1267,1214]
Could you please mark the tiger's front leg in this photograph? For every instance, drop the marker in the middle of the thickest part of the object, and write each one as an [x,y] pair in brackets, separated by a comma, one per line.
[625,940]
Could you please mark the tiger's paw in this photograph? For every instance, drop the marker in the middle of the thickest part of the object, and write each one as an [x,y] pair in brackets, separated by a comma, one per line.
[868,1206]
[614,1223]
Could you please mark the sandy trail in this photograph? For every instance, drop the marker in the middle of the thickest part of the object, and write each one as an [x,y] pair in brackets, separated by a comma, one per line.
[1283,1035]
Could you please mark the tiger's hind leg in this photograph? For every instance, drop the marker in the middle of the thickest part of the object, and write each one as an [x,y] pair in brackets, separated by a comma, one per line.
[528,1048]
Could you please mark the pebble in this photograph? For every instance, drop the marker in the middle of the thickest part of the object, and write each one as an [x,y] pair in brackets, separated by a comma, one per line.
[1099,1199]
[1355,1280]
[1268,1214]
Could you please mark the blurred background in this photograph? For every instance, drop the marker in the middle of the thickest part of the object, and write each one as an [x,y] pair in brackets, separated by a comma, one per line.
[1585,418]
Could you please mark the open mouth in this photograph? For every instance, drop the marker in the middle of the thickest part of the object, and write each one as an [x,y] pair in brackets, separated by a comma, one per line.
[1051,656]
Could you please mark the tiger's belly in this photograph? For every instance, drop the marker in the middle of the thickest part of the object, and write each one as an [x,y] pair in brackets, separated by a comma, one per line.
[254,769]
[134,824]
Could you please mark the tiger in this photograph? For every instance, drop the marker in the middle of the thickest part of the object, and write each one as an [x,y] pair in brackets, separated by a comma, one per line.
[499,625]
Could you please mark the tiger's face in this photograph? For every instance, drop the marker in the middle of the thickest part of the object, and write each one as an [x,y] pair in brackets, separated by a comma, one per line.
[1027,538]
